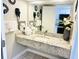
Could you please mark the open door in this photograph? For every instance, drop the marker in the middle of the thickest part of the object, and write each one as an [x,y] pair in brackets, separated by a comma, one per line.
[3,47]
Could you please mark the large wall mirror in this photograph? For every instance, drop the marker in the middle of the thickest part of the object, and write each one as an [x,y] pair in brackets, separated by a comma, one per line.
[49,19]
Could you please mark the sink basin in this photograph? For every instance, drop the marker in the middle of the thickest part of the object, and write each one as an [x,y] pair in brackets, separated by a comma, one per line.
[46,39]
[41,38]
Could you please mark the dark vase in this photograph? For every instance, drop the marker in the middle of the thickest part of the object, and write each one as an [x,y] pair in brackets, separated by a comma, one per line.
[66,35]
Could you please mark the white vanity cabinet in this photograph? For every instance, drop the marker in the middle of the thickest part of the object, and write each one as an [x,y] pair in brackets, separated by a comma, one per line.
[41,46]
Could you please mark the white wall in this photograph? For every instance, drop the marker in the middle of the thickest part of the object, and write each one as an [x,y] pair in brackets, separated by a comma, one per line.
[11,25]
[74,37]
[48,18]
[75,22]
[21,4]
[10,16]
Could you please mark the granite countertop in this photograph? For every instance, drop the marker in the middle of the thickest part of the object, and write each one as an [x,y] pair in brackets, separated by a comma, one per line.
[47,40]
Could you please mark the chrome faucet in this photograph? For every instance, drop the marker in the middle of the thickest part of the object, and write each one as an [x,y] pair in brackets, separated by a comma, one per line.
[45,33]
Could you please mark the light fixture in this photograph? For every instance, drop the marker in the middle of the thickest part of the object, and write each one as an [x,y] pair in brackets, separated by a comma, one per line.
[50,1]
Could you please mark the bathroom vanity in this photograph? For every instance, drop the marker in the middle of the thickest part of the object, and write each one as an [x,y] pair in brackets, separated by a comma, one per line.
[51,45]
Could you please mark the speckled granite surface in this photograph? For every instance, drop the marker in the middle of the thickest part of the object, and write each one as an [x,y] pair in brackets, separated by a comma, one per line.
[50,45]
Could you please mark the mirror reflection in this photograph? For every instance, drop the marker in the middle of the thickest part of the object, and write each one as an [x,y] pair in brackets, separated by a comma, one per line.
[51,19]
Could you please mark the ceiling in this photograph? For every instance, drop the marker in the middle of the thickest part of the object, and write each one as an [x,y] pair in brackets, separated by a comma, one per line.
[54,2]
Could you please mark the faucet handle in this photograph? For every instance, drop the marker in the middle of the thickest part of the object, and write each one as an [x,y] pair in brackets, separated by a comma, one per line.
[45,31]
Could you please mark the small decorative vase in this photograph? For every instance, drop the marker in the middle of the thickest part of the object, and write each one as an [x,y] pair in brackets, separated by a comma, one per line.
[66,35]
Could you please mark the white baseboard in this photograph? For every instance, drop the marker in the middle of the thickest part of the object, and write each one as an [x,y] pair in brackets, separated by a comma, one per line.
[33,51]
